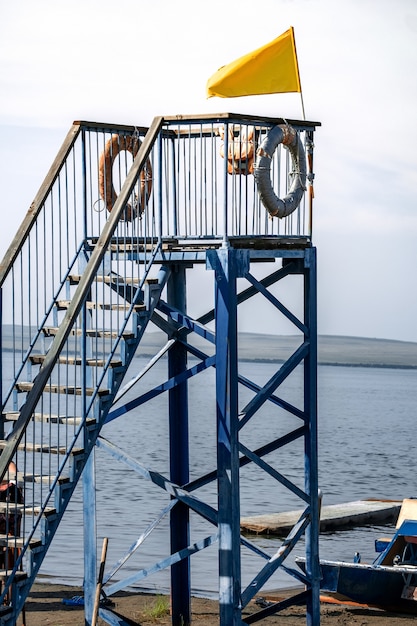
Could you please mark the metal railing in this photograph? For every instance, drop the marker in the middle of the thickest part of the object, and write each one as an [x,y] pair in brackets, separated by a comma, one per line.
[209,187]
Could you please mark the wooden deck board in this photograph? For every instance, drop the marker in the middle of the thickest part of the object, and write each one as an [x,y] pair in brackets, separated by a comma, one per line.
[333,517]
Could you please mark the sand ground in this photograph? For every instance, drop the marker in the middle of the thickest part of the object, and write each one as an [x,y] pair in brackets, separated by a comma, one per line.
[45,607]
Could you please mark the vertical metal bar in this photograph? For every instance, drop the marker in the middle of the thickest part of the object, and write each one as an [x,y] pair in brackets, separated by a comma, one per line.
[311,445]
[225,242]
[179,458]
[175,176]
[1,362]
[196,174]
[160,183]
[88,476]
[84,183]
[310,179]
[202,195]
[214,186]
[228,265]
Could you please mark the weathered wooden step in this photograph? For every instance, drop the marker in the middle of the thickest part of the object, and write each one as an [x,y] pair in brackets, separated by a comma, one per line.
[66,420]
[46,479]
[26,477]
[38,359]
[5,609]
[30,446]
[4,575]
[138,308]
[51,331]
[7,507]
[74,279]
[129,244]
[70,390]
[132,247]
[18,542]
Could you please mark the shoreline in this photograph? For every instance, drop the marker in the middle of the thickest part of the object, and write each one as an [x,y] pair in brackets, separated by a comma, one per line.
[332,350]
[45,606]
[333,363]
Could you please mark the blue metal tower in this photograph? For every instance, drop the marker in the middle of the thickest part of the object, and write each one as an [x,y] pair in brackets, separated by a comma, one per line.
[225,192]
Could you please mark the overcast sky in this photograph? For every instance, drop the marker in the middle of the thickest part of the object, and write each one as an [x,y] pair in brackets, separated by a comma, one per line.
[127,61]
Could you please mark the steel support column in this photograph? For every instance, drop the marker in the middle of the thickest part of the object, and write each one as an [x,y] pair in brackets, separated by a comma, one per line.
[179,458]
[311,445]
[228,264]
[90,539]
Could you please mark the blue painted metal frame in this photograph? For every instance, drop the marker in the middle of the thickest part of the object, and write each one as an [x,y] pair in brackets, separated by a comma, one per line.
[228,264]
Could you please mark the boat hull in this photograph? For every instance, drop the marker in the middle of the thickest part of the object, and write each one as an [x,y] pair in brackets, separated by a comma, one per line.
[378,586]
[384,587]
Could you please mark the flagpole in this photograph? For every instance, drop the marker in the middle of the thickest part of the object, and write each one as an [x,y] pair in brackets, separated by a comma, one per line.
[302,105]
[298,71]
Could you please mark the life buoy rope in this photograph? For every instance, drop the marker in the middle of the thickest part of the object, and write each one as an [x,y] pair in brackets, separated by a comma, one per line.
[240,150]
[113,147]
[289,138]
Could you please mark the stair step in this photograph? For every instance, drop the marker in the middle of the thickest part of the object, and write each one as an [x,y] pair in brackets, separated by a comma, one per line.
[132,247]
[4,575]
[135,244]
[51,331]
[74,279]
[5,609]
[12,416]
[29,446]
[46,479]
[70,390]
[18,542]
[38,359]
[7,507]
[64,304]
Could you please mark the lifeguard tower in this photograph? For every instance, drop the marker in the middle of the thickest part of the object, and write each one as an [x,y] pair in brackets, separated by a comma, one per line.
[101,259]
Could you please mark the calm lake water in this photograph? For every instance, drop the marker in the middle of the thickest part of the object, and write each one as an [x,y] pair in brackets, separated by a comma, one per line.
[366,442]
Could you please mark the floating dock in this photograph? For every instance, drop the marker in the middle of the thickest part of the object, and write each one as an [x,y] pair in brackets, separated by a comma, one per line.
[333,517]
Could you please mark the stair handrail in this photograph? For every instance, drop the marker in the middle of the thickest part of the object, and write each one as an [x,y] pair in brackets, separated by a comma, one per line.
[83,287]
[37,334]
[123,326]
[40,198]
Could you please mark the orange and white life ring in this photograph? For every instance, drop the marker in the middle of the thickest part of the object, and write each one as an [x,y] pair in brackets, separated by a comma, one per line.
[113,147]
[240,150]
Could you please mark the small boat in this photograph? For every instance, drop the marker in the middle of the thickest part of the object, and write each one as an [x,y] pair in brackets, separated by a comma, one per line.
[390,581]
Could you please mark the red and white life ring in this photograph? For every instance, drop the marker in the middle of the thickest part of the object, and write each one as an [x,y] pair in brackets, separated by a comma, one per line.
[113,147]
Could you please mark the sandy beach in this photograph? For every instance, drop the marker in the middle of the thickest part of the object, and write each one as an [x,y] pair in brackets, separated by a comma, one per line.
[45,606]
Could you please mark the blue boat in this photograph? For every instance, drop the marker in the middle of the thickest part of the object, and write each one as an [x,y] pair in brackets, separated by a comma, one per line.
[390,581]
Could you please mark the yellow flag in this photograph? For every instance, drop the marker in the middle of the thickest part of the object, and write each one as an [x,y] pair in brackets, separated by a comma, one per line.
[270,69]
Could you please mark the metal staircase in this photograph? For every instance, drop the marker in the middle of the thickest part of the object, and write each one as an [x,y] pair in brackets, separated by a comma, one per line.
[74,309]
[83,278]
